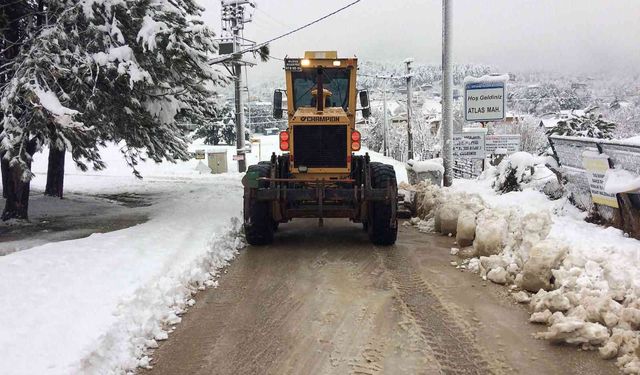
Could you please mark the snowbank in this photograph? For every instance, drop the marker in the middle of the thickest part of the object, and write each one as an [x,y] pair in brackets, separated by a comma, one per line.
[398,166]
[580,279]
[426,165]
[98,305]
[621,181]
[632,140]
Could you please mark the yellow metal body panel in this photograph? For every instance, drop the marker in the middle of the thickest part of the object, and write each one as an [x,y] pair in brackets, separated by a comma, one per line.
[309,116]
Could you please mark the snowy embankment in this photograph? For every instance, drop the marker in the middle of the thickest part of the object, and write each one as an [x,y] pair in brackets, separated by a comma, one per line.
[94,305]
[581,279]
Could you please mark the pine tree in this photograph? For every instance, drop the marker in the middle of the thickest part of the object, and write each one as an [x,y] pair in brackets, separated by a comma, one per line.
[218,125]
[105,71]
[17,22]
[590,124]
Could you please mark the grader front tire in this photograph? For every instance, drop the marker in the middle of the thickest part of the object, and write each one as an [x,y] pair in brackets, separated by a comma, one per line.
[259,230]
[383,224]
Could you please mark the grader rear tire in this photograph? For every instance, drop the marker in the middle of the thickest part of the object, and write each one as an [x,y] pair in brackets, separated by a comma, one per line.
[259,230]
[383,223]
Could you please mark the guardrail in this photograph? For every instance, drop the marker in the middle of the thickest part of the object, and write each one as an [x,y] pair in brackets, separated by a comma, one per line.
[568,153]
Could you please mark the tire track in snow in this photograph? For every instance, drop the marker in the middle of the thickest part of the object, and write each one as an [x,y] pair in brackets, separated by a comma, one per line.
[451,345]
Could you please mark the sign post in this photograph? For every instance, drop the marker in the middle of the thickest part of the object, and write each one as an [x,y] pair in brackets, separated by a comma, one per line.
[597,165]
[257,140]
[469,145]
[508,142]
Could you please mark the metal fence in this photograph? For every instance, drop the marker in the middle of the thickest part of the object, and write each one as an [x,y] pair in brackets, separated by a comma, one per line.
[467,168]
[569,150]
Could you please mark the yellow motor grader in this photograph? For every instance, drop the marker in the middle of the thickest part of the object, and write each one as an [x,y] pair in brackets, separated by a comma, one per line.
[319,175]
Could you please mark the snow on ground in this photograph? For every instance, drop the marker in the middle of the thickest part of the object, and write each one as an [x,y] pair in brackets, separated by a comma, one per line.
[78,215]
[96,305]
[620,181]
[581,279]
[93,305]
[398,166]
[431,165]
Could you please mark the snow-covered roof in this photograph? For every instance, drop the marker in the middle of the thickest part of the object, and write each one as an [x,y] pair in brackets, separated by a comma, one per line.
[572,112]
[431,106]
[550,123]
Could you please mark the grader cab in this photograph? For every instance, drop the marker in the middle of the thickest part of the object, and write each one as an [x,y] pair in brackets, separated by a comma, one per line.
[319,175]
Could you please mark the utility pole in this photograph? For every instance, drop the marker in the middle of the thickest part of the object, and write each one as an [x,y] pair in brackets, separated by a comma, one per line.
[409,110]
[233,20]
[447,95]
[242,164]
[384,108]
[384,117]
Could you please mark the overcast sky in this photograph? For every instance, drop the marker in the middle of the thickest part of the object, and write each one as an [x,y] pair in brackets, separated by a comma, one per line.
[565,36]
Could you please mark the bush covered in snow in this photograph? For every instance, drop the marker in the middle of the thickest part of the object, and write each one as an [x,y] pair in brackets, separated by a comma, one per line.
[532,137]
[513,171]
[521,170]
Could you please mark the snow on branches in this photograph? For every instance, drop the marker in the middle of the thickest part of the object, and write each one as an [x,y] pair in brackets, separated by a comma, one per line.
[589,124]
[109,71]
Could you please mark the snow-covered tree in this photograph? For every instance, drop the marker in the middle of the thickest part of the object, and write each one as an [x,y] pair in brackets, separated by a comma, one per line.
[260,117]
[546,97]
[626,117]
[532,137]
[214,128]
[590,124]
[373,135]
[109,71]
[18,23]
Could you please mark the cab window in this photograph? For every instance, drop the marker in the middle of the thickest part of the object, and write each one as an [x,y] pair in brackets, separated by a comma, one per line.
[334,80]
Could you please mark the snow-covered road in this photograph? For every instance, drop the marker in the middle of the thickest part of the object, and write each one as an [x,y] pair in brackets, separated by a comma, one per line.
[92,305]
[324,300]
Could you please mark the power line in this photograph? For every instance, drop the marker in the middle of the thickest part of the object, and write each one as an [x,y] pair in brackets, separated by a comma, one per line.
[273,18]
[308,24]
[277,58]
[259,45]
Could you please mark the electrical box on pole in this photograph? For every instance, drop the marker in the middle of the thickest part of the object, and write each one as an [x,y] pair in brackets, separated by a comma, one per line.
[233,20]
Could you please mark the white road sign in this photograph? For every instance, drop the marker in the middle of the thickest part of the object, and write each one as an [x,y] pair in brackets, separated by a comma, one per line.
[484,101]
[508,142]
[469,145]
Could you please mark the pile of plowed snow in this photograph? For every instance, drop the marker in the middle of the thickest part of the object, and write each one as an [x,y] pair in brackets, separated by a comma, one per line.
[580,279]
